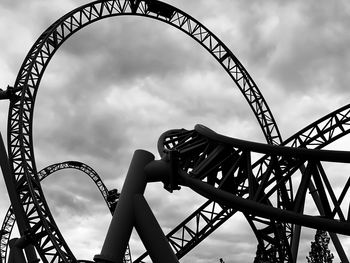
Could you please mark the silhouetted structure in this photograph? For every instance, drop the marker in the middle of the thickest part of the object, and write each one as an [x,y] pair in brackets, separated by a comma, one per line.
[110,196]
[217,167]
[265,255]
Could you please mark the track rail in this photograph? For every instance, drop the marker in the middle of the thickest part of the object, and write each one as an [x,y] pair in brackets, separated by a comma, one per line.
[38,222]
[211,215]
[110,197]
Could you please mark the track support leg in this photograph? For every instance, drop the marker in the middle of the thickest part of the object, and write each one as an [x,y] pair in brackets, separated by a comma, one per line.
[15,203]
[16,253]
[151,234]
[133,210]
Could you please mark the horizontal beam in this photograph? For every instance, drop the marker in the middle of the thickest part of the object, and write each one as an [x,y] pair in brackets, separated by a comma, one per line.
[268,149]
[258,209]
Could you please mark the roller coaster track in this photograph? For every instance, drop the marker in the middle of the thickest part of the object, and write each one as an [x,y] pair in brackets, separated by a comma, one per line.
[197,149]
[110,197]
[209,216]
[224,163]
[37,219]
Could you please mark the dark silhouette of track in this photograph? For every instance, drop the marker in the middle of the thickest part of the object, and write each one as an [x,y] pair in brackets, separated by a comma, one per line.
[211,215]
[215,166]
[110,197]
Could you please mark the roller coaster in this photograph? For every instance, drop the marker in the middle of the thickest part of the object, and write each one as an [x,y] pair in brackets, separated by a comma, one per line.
[268,183]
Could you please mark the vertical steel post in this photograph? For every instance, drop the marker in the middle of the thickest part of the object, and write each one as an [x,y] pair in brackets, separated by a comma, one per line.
[122,223]
[16,254]
[334,237]
[297,229]
[15,201]
[11,188]
[295,243]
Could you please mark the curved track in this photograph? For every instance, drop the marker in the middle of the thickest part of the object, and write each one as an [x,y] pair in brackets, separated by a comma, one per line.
[226,165]
[211,215]
[38,221]
[266,173]
[110,198]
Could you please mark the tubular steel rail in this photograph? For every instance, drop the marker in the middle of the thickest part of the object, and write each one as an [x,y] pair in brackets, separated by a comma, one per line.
[37,219]
[225,164]
[110,197]
[211,215]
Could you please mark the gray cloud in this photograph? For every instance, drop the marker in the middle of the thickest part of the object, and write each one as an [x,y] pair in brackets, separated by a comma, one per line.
[118,84]
[122,49]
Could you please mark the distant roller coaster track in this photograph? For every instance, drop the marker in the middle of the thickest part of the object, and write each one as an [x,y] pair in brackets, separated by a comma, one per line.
[36,219]
[110,198]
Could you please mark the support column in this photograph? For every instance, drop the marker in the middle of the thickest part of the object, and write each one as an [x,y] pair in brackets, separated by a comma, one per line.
[15,201]
[334,237]
[122,223]
[16,254]
[151,234]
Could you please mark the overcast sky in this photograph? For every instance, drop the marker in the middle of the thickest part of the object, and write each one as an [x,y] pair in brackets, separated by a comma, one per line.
[116,85]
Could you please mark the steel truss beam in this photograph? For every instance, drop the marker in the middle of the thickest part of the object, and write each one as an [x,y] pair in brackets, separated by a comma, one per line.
[195,228]
[39,223]
[322,132]
[21,108]
[110,197]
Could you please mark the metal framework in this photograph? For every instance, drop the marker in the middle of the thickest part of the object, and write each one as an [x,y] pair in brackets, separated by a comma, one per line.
[211,215]
[110,197]
[225,164]
[38,219]
[219,167]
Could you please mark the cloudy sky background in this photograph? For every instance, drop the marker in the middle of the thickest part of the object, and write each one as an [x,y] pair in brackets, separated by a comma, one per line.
[116,85]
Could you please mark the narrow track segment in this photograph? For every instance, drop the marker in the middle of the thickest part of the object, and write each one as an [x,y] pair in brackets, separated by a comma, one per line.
[38,221]
[110,197]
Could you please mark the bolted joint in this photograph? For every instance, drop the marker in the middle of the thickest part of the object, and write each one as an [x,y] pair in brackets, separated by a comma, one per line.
[164,170]
[160,9]
[5,94]
[9,93]
[134,4]
[25,239]
[113,196]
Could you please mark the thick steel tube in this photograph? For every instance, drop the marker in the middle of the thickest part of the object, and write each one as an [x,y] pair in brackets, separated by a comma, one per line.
[31,254]
[259,209]
[151,233]
[295,242]
[16,253]
[119,231]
